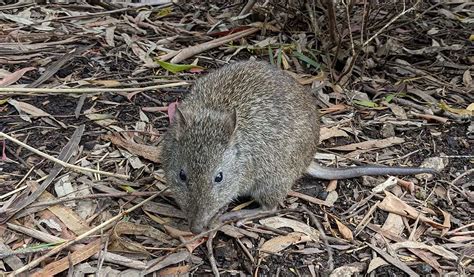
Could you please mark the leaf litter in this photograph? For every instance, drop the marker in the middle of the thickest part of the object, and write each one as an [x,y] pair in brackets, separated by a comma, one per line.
[395,90]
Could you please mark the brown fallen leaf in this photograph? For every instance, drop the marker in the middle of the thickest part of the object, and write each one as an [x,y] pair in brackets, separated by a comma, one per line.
[128,228]
[25,109]
[171,259]
[121,245]
[151,153]
[15,76]
[463,239]
[69,217]
[334,109]
[348,270]
[185,236]
[74,258]
[344,230]
[305,79]
[280,243]
[395,205]
[446,222]
[376,263]
[155,109]
[106,83]
[297,226]
[327,133]
[390,182]
[436,249]
[174,271]
[467,79]
[104,120]
[370,144]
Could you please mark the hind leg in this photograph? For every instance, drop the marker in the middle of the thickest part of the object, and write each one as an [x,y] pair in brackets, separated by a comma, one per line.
[270,193]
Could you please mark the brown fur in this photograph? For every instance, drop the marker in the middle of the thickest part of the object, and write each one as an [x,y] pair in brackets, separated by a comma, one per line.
[261,151]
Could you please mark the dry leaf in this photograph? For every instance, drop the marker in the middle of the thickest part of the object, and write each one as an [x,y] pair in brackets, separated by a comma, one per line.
[376,263]
[393,204]
[15,76]
[344,230]
[23,107]
[174,271]
[148,152]
[467,78]
[280,243]
[390,182]
[436,249]
[331,198]
[297,226]
[104,120]
[370,144]
[106,83]
[327,133]
[171,259]
[348,270]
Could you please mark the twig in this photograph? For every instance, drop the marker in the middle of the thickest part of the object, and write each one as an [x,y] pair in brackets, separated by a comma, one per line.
[393,260]
[349,26]
[430,117]
[323,237]
[247,7]
[57,249]
[12,192]
[93,196]
[391,22]
[10,90]
[246,251]
[196,49]
[58,161]
[210,253]
[462,175]
[331,13]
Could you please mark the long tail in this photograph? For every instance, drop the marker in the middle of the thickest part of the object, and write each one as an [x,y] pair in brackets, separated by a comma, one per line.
[328,173]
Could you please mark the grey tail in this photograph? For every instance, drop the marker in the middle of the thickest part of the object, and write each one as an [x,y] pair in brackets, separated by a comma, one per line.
[328,173]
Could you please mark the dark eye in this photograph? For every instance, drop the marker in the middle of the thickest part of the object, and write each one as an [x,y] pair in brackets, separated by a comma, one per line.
[218,177]
[182,176]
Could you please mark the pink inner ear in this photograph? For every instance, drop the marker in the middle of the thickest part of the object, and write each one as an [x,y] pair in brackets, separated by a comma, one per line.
[172,111]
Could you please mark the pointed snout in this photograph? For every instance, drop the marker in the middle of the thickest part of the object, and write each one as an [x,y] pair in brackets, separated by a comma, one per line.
[197,228]
[200,222]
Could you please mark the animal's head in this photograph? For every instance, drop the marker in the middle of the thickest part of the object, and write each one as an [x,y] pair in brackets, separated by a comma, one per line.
[202,163]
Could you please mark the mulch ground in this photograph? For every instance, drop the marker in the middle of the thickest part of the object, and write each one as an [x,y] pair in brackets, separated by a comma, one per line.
[85,91]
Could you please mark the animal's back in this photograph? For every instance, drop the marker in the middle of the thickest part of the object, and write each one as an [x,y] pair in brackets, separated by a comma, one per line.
[277,119]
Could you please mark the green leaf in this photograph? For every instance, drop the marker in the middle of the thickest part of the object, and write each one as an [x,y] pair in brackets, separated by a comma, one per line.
[279,57]
[365,103]
[175,68]
[389,98]
[307,60]
[270,55]
[164,12]
[127,188]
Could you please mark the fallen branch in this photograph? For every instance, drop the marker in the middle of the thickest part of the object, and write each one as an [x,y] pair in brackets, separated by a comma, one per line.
[196,49]
[10,90]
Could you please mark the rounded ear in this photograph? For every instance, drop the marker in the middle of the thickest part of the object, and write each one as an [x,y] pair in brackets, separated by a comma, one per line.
[180,122]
